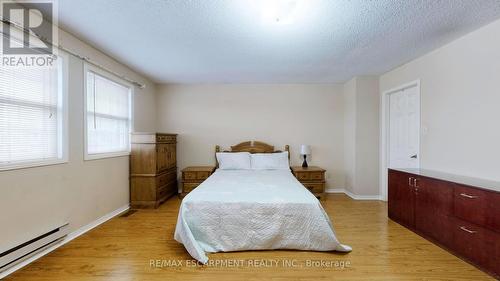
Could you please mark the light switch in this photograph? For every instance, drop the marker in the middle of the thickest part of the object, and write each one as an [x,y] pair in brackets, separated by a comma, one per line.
[425,130]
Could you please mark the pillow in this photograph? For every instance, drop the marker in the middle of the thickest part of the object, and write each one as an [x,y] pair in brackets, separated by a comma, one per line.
[270,161]
[233,160]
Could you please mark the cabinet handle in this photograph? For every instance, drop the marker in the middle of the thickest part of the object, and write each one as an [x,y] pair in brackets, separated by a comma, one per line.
[467,230]
[415,182]
[468,196]
[410,180]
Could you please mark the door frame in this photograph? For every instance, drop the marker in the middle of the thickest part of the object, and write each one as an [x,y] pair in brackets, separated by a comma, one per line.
[384,133]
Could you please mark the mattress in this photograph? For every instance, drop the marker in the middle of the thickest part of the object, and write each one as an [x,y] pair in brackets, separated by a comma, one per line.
[239,210]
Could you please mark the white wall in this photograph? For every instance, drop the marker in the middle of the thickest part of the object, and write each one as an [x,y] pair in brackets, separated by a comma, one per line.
[350,134]
[367,136]
[460,90]
[361,135]
[33,200]
[207,115]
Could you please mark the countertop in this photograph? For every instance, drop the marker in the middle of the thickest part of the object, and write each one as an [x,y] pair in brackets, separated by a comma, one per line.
[469,181]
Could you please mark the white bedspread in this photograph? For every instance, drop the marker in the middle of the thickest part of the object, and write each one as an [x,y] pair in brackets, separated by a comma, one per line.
[236,210]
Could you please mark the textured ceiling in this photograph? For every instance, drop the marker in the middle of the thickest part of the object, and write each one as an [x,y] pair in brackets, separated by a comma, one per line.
[225,41]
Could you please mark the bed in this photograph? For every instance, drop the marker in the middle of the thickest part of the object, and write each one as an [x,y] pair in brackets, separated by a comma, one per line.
[240,210]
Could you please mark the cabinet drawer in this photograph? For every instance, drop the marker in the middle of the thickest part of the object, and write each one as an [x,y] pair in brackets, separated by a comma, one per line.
[315,187]
[479,245]
[202,175]
[303,176]
[470,204]
[188,187]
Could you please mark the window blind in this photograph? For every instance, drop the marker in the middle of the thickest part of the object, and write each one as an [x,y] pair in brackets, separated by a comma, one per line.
[108,115]
[30,115]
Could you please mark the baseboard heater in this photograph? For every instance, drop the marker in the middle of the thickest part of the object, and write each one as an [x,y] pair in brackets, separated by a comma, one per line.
[21,252]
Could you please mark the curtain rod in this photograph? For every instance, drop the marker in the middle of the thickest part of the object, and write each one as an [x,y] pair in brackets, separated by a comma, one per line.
[60,47]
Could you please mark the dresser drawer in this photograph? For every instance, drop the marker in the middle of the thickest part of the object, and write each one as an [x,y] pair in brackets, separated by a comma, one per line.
[188,187]
[317,176]
[161,191]
[315,187]
[202,175]
[165,138]
[303,175]
[165,178]
[189,176]
[195,176]
[477,206]
[166,190]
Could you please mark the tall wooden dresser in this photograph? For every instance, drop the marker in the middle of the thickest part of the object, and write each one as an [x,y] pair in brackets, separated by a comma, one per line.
[153,169]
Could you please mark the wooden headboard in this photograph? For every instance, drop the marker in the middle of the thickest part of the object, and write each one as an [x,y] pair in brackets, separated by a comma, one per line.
[252,147]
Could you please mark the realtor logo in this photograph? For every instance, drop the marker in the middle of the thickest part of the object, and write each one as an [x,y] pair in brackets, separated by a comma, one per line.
[36,18]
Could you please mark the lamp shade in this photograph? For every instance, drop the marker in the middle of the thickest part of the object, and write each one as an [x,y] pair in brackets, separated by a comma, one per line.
[305,149]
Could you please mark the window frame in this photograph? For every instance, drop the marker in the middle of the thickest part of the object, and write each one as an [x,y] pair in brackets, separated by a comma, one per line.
[63,137]
[115,79]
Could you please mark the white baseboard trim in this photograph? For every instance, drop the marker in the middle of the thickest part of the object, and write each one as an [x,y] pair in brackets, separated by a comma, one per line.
[335,190]
[63,241]
[352,195]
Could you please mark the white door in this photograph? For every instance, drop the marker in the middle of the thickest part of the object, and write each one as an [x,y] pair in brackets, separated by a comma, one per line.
[404,129]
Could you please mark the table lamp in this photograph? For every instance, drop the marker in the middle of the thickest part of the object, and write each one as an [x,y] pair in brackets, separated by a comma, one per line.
[305,150]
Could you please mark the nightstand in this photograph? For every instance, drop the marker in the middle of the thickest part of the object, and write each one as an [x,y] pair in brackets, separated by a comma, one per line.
[313,178]
[194,176]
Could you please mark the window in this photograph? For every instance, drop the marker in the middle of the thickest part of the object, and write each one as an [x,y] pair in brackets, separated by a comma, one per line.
[33,115]
[108,115]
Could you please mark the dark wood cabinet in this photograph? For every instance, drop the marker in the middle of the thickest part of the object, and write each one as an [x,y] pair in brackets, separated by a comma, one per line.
[433,206]
[461,218]
[402,199]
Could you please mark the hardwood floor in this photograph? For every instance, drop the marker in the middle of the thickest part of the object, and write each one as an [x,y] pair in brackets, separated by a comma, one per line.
[123,248]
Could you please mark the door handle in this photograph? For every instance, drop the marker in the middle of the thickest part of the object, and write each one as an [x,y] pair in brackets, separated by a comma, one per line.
[410,180]
[415,156]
